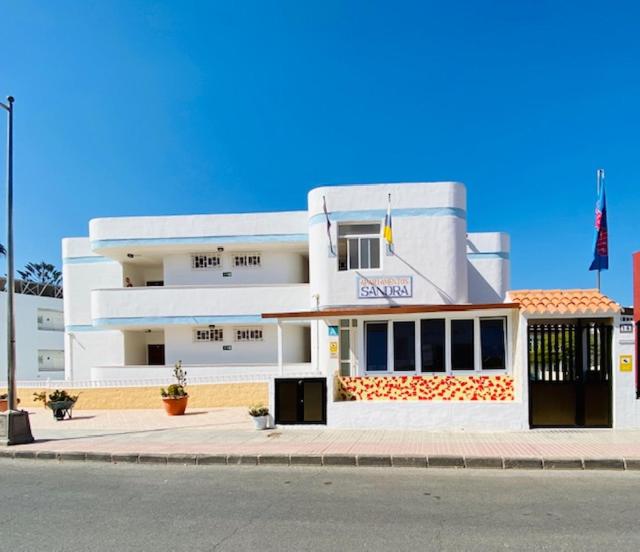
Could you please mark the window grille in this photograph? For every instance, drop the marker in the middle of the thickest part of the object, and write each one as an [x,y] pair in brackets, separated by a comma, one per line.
[248,334]
[208,334]
[205,261]
[252,260]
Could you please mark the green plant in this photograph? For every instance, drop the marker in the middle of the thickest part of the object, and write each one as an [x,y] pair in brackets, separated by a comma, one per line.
[258,410]
[40,397]
[177,390]
[60,395]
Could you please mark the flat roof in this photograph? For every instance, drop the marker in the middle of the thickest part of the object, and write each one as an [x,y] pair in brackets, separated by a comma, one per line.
[345,312]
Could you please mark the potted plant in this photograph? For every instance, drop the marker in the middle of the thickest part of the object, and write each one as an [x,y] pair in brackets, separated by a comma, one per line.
[260,415]
[61,403]
[4,402]
[41,397]
[175,397]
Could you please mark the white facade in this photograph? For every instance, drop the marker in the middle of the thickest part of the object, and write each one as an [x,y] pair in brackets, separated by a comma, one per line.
[39,325]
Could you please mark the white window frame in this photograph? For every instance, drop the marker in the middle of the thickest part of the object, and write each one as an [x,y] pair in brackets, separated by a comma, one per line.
[41,313]
[208,256]
[249,337]
[359,237]
[42,352]
[247,257]
[477,369]
[216,335]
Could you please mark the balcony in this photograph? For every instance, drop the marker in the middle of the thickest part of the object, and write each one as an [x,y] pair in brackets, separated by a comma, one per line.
[148,307]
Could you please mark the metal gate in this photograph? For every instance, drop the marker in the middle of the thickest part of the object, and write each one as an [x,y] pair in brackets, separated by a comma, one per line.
[570,374]
[301,401]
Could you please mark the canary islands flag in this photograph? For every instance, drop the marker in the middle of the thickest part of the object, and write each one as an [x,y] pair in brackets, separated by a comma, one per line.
[601,244]
[387,231]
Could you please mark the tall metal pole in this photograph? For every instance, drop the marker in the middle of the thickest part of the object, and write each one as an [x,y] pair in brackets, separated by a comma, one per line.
[599,175]
[11,330]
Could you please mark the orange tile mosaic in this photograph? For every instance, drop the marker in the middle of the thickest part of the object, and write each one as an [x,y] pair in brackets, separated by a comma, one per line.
[425,388]
[563,301]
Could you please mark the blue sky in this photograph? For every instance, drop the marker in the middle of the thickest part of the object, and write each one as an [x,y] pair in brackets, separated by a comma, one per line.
[127,108]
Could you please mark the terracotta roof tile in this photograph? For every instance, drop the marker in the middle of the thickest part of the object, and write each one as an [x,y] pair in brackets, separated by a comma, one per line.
[563,301]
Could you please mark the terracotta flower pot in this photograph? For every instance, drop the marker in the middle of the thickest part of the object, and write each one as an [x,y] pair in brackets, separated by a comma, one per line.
[4,404]
[175,406]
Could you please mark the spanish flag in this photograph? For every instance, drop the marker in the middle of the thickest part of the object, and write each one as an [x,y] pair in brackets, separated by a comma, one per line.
[387,232]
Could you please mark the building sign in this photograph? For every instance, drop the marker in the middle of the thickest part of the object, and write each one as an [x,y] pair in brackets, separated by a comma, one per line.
[333,331]
[625,363]
[626,328]
[333,349]
[385,286]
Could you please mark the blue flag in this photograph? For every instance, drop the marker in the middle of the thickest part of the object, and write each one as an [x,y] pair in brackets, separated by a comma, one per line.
[601,244]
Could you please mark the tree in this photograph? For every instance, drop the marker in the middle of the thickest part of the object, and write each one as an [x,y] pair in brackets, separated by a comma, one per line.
[41,273]
[3,251]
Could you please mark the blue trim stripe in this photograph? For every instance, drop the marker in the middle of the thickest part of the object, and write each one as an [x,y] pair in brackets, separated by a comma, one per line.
[375,214]
[87,260]
[249,238]
[80,328]
[488,255]
[182,320]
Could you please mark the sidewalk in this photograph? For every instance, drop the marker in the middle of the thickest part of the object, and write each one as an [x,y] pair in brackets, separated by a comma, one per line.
[226,435]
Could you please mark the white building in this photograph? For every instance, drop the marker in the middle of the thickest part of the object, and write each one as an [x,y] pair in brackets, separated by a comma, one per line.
[39,324]
[351,331]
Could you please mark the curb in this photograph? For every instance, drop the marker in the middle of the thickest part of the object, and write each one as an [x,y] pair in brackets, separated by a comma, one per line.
[333,460]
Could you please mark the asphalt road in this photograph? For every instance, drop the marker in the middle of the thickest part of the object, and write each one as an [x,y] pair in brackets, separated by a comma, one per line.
[45,506]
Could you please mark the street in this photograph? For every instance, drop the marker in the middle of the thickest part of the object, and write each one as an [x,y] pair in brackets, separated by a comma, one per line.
[80,507]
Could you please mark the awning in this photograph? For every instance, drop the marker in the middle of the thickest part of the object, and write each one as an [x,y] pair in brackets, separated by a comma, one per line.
[348,312]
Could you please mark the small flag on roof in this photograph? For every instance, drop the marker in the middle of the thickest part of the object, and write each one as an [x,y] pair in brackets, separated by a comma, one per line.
[388,231]
[601,244]
[326,216]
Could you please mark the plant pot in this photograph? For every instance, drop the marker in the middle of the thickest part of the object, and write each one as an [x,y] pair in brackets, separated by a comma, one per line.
[4,404]
[61,408]
[175,406]
[262,422]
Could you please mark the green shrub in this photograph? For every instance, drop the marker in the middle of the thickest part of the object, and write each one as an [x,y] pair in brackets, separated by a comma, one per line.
[258,410]
[177,390]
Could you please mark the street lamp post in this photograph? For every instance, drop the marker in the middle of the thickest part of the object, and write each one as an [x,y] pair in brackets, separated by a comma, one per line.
[14,425]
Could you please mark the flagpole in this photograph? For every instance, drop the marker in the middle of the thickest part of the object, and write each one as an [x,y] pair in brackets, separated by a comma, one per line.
[599,176]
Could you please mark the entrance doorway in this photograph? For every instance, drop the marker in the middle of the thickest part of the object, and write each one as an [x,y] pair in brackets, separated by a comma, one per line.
[155,355]
[301,401]
[570,374]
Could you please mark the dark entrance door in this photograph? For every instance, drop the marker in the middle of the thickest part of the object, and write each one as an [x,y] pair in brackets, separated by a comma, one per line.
[155,355]
[301,401]
[570,374]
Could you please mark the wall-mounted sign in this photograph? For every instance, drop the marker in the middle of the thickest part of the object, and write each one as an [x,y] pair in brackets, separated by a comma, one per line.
[226,347]
[226,274]
[333,331]
[333,349]
[385,286]
[626,328]
[625,363]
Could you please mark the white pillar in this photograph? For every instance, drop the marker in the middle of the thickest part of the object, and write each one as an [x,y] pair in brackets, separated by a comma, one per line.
[280,355]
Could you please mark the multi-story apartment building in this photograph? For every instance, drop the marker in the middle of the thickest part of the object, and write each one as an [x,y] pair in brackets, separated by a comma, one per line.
[39,323]
[350,329]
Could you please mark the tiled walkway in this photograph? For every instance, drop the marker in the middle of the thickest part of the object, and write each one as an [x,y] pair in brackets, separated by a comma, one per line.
[230,431]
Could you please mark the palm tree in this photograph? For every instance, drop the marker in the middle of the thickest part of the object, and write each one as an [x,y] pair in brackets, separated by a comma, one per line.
[41,273]
[3,251]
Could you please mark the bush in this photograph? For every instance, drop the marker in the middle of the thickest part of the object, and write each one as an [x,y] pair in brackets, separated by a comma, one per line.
[258,410]
[176,390]
[60,395]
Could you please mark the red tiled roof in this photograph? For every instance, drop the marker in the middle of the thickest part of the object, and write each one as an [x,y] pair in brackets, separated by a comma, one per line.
[563,301]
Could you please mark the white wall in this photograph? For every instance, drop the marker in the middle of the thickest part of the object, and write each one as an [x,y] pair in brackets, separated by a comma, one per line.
[626,411]
[277,267]
[489,266]
[429,247]
[29,339]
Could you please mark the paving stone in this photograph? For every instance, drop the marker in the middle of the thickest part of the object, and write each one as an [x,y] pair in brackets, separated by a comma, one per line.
[152,459]
[274,459]
[445,461]
[47,455]
[72,456]
[305,460]
[603,464]
[409,461]
[98,457]
[124,458]
[562,463]
[188,459]
[6,452]
[24,453]
[371,460]
[632,463]
[248,459]
[523,463]
[210,459]
[480,462]
[339,460]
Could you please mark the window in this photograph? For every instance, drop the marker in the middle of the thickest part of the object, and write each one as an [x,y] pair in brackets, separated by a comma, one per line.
[208,334]
[376,346]
[205,261]
[492,343]
[432,345]
[358,246]
[50,360]
[462,345]
[404,346]
[50,320]
[248,334]
[252,260]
